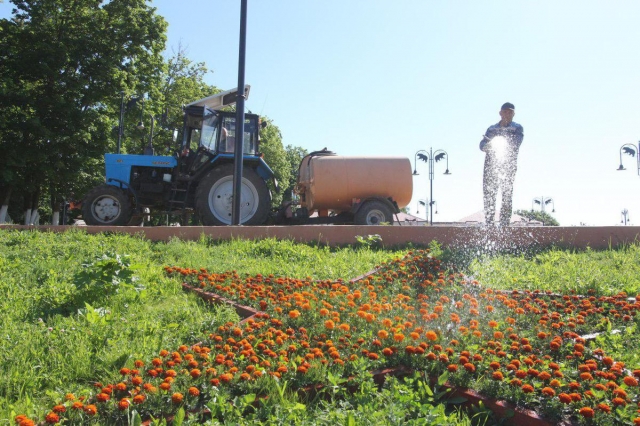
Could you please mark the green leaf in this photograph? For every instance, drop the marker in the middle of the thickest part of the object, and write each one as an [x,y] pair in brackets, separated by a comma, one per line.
[179,417]
[443,378]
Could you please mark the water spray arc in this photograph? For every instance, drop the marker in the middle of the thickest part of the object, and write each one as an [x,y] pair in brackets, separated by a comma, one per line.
[631,150]
[430,157]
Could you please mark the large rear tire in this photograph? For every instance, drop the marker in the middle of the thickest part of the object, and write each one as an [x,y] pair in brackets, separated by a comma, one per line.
[214,197]
[374,213]
[106,205]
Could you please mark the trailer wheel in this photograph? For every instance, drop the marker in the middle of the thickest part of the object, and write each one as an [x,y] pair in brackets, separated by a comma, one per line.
[214,197]
[373,213]
[106,205]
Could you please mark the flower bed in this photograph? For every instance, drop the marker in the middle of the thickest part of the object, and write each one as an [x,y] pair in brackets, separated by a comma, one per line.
[521,347]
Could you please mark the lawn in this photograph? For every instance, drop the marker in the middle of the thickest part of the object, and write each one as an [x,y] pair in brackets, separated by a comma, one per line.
[102,321]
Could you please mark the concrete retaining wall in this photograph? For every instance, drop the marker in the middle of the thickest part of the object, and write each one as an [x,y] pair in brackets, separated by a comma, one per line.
[454,236]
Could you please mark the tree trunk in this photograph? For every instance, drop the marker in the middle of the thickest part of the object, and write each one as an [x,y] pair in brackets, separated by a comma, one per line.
[35,216]
[5,204]
[55,208]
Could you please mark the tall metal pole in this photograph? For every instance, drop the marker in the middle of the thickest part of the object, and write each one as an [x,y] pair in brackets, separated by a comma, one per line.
[120,123]
[431,167]
[237,172]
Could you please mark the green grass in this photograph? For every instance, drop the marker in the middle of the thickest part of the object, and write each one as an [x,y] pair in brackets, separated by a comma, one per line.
[66,322]
[75,308]
[605,272]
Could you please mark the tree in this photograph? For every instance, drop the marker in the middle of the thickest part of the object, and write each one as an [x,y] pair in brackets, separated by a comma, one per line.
[64,66]
[544,217]
[295,154]
[276,157]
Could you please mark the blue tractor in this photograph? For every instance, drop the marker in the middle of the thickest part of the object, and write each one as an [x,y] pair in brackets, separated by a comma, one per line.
[198,178]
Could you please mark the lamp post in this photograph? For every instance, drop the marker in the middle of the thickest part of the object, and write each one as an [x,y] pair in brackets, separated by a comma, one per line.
[427,203]
[543,201]
[430,157]
[625,217]
[631,150]
[237,155]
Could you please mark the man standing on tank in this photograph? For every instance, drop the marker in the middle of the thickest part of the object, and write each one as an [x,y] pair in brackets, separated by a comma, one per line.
[501,144]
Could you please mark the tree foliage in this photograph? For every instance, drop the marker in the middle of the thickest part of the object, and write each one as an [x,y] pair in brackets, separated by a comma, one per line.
[276,157]
[64,66]
[544,217]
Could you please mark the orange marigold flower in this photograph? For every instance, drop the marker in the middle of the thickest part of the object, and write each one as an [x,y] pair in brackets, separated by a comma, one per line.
[387,352]
[70,397]
[587,412]
[497,375]
[294,314]
[193,391]
[630,381]
[177,398]
[383,334]
[493,324]
[59,409]
[373,356]
[398,337]
[52,418]
[564,398]
[527,388]
[329,324]
[469,367]
[452,368]
[548,391]
[91,410]
[431,335]
[619,401]
[77,405]
[123,404]
[139,399]
[102,397]
[586,376]
[604,407]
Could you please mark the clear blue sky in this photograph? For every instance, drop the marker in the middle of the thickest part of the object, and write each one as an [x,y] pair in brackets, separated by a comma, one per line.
[367,77]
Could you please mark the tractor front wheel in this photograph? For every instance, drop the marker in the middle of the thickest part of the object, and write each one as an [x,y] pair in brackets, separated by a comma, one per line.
[106,205]
[214,197]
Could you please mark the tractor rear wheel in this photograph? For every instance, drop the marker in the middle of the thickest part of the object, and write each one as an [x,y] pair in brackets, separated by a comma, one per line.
[374,213]
[106,205]
[214,197]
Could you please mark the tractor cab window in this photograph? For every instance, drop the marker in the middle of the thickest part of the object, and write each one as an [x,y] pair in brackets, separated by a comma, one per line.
[209,132]
[228,136]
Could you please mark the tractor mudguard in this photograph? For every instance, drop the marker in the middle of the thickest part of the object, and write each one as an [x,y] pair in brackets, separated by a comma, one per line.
[263,170]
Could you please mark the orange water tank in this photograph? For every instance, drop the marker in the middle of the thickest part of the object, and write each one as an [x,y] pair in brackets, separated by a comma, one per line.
[334,182]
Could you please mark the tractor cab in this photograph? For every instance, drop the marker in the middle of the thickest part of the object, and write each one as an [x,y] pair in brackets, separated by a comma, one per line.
[210,134]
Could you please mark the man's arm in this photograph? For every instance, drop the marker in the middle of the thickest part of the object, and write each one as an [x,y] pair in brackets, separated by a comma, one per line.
[488,135]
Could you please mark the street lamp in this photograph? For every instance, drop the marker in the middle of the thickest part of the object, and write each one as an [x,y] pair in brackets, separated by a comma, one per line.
[625,217]
[631,150]
[426,203]
[430,157]
[542,201]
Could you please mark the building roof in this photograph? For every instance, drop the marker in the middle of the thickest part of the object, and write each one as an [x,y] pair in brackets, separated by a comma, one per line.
[478,217]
